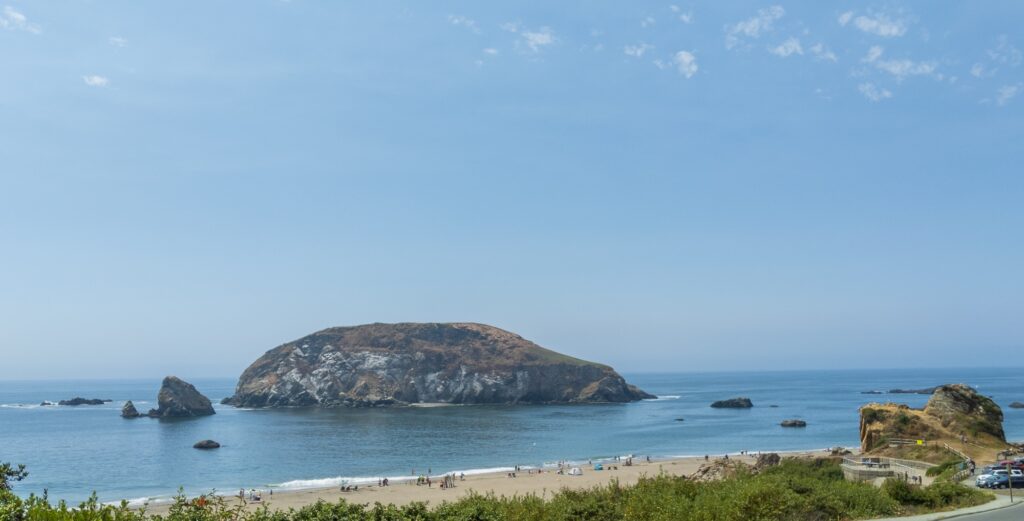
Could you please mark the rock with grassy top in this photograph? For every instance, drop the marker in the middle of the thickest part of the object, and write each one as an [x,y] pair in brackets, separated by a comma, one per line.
[395,364]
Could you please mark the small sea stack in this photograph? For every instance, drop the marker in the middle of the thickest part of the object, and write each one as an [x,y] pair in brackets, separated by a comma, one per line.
[206,445]
[129,411]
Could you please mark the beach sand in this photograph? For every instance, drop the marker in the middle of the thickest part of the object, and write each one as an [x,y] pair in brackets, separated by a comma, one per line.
[543,485]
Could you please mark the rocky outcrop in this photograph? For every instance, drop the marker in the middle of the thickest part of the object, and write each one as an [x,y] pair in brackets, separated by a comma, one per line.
[1017,405]
[206,445]
[47,404]
[952,411]
[78,400]
[129,410]
[180,399]
[793,423]
[395,364]
[733,403]
[926,390]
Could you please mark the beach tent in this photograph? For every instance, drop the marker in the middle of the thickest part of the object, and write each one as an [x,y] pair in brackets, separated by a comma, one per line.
[575,471]
[598,466]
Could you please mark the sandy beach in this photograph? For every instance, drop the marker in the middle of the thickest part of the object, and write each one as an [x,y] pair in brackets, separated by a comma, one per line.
[542,484]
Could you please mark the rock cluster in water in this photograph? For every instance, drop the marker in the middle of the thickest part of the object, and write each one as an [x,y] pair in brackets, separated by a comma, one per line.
[206,444]
[793,423]
[1017,405]
[733,403]
[396,364]
[78,400]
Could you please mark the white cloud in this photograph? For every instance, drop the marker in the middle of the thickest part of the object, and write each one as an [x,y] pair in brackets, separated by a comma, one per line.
[14,20]
[462,21]
[873,92]
[117,41]
[873,54]
[491,51]
[877,23]
[753,27]
[536,40]
[821,52]
[787,48]
[1006,93]
[648,21]
[977,70]
[845,18]
[94,80]
[686,63]
[637,51]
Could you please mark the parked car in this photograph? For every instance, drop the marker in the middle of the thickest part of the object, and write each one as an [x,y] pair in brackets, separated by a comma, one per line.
[1003,481]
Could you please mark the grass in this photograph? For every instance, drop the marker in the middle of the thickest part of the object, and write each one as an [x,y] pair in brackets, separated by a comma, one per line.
[795,490]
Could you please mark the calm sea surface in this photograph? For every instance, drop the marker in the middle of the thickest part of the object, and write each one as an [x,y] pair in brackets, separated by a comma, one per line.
[72,451]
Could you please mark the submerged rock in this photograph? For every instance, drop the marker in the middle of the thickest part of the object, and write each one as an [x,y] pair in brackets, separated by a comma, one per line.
[47,404]
[733,403]
[180,399]
[926,390]
[1017,405]
[206,444]
[793,423]
[395,364]
[78,400]
[129,411]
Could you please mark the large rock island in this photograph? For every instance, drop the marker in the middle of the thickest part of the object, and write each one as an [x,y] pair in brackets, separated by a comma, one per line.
[397,364]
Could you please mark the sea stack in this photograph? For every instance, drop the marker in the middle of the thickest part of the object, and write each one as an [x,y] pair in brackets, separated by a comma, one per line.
[129,410]
[398,364]
[180,399]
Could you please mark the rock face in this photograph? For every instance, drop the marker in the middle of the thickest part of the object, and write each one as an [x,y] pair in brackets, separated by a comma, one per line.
[179,399]
[129,411]
[395,364]
[733,403]
[1017,405]
[206,444]
[793,423]
[78,400]
[952,411]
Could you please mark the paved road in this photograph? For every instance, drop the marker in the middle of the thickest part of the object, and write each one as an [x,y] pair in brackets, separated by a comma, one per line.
[1014,513]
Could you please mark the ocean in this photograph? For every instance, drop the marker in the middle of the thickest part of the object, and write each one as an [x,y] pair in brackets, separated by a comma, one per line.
[73,451]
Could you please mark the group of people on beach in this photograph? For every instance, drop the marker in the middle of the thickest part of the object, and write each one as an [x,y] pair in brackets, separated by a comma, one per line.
[253,495]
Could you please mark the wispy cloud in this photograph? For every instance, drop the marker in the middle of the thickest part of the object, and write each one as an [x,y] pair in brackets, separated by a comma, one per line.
[684,16]
[753,27]
[873,92]
[901,69]
[1007,92]
[462,21]
[686,63]
[536,40]
[879,24]
[648,21]
[117,41]
[787,48]
[638,50]
[1004,52]
[94,80]
[821,52]
[12,19]
[491,51]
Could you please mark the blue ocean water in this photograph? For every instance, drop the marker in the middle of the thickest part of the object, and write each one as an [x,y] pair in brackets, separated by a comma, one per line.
[73,451]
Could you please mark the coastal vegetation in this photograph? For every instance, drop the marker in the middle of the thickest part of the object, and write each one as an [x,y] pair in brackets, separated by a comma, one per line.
[795,489]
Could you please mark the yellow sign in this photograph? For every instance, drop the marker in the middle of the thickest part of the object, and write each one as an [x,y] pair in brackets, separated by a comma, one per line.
[920,442]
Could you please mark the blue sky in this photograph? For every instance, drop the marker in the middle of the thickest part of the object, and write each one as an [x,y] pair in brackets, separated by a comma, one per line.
[658,186]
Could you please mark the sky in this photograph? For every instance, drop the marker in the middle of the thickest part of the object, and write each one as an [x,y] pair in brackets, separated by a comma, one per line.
[658,186]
